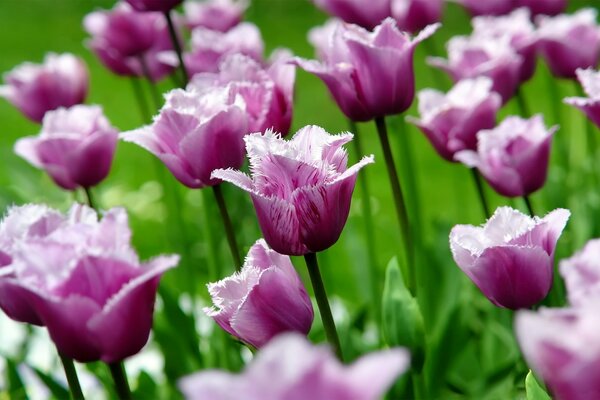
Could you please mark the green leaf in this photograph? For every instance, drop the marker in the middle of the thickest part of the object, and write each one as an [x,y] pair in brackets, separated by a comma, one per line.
[16,389]
[58,390]
[534,390]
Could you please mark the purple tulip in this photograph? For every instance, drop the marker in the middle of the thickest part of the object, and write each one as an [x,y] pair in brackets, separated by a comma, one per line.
[261,301]
[362,69]
[217,15]
[543,7]
[581,273]
[563,348]
[60,81]
[124,40]
[290,368]
[488,7]
[414,15]
[301,188]
[355,12]
[267,92]
[196,133]
[76,146]
[519,31]
[590,80]
[451,121]
[83,281]
[569,42]
[511,257]
[154,5]
[513,157]
[470,57]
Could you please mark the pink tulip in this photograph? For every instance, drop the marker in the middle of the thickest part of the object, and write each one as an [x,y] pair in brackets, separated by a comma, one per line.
[488,7]
[511,257]
[61,81]
[127,42]
[514,156]
[569,42]
[76,146]
[590,80]
[362,69]
[562,347]
[292,369]
[355,12]
[301,188]
[414,15]
[263,300]
[267,92]
[217,15]
[83,281]
[543,7]
[196,133]
[581,273]
[451,121]
[154,5]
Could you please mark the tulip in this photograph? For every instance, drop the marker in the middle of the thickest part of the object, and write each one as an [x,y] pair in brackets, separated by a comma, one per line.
[217,15]
[301,188]
[75,147]
[355,12]
[414,15]
[563,348]
[154,5]
[544,7]
[267,92]
[263,300]
[60,81]
[569,42]
[581,273]
[196,133]
[361,69]
[488,7]
[291,368]
[129,42]
[590,80]
[451,121]
[470,57]
[84,282]
[513,157]
[510,258]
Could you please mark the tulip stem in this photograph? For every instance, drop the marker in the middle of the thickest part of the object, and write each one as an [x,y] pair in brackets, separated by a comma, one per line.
[119,376]
[328,323]
[523,107]
[140,99]
[89,198]
[72,378]
[177,47]
[398,200]
[529,207]
[481,193]
[229,232]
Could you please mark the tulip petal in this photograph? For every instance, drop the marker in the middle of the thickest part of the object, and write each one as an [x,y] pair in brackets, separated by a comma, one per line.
[15,301]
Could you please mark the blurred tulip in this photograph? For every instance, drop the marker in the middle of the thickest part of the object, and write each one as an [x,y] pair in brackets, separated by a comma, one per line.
[590,80]
[263,300]
[451,121]
[84,282]
[301,188]
[196,133]
[414,15]
[510,258]
[563,348]
[543,7]
[355,11]
[488,7]
[217,15]
[514,156]
[127,42]
[76,146]
[267,92]
[290,368]
[154,5]
[569,42]
[581,273]
[60,81]
[362,69]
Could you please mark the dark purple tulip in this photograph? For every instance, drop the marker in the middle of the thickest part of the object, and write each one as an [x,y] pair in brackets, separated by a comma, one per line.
[511,257]
[154,5]
[581,273]
[543,7]
[60,81]
[196,133]
[264,299]
[355,11]
[451,121]
[83,281]
[414,15]
[488,7]
[563,348]
[362,69]
[76,146]
[217,15]
[569,42]
[290,368]
[301,188]
[590,80]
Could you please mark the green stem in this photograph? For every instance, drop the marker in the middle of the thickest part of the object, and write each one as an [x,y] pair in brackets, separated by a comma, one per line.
[72,378]
[89,198]
[529,207]
[523,107]
[119,376]
[140,99]
[418,382]
[479,184]
[177,47]
[398,200]
[229,232]
[323,304]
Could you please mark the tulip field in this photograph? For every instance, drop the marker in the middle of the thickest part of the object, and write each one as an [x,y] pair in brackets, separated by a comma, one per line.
[300,199]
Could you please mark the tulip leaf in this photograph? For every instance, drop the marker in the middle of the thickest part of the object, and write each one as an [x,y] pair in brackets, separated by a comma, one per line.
[534,390]
[16,388]
[57,389]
